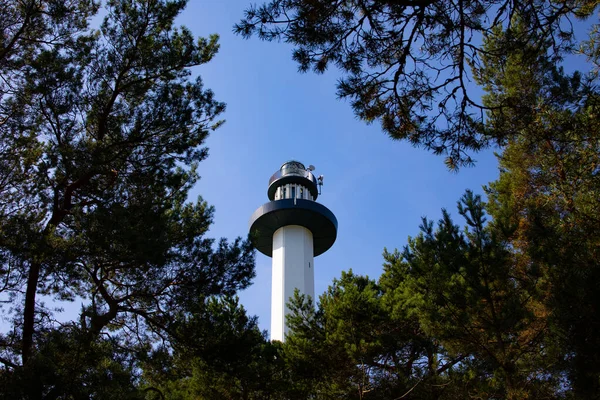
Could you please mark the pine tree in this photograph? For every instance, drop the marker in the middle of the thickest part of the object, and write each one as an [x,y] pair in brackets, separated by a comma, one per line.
[358,344]
[470,294]
[407,64]
[101,135]
[224,356]
[547,196]
[453,315]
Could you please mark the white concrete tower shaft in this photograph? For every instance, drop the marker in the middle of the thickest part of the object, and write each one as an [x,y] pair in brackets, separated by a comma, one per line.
[293,268]
[293,229]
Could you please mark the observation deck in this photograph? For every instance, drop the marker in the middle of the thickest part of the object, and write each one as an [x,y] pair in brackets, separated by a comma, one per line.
[293,191]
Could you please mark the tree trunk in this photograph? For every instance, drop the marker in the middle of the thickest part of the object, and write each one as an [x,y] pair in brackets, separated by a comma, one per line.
[29,312]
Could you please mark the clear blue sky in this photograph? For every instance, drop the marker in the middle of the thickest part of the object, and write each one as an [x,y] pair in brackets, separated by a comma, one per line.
[378,188]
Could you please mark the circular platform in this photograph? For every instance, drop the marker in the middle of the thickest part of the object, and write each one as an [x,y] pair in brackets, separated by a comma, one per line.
[273,215]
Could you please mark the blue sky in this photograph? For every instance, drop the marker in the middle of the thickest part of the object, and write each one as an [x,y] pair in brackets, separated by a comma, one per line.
[378,188]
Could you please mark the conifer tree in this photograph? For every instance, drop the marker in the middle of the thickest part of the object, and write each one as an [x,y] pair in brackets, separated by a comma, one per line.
[547,196]
[407,63]
[224,356]
[470,295]
[101,134]
[453,315]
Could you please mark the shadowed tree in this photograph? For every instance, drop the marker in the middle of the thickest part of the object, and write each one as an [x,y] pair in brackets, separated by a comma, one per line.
[547,196]
[225,356]
[470,294]
[455,315]
[361,344]
[101,134]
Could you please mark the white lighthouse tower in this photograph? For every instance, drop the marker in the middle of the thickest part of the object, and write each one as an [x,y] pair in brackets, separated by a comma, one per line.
[292,229]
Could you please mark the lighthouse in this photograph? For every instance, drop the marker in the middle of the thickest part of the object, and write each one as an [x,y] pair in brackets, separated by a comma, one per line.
[292,229]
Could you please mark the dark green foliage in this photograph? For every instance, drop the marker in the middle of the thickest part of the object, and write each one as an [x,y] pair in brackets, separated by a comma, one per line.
[453,315]
[101,134]
[505,308]
[408,64]
[357,345]
[547,198]
[472,296]
[338,345]
[68,365]
[223,355]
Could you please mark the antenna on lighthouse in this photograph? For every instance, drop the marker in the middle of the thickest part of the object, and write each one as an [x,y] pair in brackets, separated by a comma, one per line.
[320,182]
[310,168]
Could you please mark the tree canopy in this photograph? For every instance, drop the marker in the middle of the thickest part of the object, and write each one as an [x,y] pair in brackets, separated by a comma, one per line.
[408,64]
[453,315]
[102,129]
